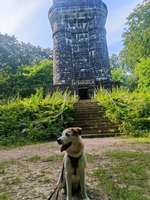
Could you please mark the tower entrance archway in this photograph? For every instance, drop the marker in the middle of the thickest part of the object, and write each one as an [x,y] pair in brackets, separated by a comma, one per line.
[84,93]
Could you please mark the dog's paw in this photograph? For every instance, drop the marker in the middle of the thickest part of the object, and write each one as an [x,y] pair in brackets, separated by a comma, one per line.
[86,198]
[69,198]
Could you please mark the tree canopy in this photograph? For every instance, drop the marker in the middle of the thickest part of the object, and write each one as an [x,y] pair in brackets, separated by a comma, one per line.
[136,36]
[26,80]
[142,72]
[14,53]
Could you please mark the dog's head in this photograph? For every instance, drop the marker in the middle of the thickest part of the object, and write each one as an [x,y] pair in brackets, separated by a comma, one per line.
[69,136]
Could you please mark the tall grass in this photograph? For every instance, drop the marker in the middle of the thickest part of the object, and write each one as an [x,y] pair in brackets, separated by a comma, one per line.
[35,118]
[130,109]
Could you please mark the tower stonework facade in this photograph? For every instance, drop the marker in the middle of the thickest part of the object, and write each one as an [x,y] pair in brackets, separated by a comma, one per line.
[79,44]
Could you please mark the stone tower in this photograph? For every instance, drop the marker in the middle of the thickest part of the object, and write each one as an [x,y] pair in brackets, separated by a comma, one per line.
[79,43]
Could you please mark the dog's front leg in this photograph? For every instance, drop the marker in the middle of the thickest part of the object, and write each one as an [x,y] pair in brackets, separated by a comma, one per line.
[68,177]
[68,185]
[82,185]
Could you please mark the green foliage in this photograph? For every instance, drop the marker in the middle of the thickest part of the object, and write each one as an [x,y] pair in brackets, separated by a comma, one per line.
[121,73]
[14,53]
[142,72]
[130,110]
[26,80]
[118,74]
[114,61]
[130,67]
[35,118]
[4,196]
[125,78]
[137,36]
[141,140]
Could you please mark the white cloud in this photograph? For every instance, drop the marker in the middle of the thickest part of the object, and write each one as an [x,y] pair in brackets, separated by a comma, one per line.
[16,16]
[116,22]
[15,13]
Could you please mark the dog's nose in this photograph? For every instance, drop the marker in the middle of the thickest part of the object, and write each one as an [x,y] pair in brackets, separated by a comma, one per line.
[59,141]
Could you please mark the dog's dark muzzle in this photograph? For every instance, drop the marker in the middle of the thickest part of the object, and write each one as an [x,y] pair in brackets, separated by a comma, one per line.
[59,141]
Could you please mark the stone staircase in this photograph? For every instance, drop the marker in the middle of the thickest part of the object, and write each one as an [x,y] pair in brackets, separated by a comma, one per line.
[91,117]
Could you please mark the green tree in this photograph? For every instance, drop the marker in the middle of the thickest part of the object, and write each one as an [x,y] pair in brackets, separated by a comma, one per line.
[26,80]
[142,72]
[114,61]
[136,37]
[14,53]
[118,74]
[124,77]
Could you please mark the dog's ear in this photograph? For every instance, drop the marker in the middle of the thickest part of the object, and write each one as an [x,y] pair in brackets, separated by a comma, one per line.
[77,130]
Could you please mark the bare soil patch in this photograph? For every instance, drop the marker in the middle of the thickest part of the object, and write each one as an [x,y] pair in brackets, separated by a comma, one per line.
[31,172]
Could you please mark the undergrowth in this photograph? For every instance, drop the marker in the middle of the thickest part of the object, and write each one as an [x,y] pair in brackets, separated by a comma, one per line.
[129,109]
[37,118]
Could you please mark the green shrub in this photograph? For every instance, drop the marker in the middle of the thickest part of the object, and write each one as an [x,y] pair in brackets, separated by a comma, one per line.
[25,80]
[35,118]
[130,110]
[142,72]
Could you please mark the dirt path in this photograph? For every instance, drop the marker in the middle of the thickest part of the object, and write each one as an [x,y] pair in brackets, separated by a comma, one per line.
[97,145]
[30,172]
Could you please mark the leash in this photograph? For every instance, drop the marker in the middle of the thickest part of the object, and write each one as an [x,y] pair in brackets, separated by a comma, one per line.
[74,162]
[57,189]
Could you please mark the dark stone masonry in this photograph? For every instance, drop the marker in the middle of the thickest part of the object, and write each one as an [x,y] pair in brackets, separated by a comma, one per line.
[81,60]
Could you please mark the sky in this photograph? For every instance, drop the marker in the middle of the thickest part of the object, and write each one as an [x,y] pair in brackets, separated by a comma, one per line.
[28,21]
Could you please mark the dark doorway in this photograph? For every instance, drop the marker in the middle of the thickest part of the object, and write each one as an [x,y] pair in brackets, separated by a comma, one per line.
[83,94]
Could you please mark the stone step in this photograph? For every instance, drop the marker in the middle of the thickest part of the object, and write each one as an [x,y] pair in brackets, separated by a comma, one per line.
[96,110]
[93,121]
[91,126]
[98,131]
[87,110]
[84,113]
[90,122]
[96,125]
[91,117]
[88,107]
[86,102]
[95,135]
[99,127]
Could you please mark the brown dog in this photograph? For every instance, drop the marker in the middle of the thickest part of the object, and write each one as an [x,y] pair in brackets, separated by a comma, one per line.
[72,178]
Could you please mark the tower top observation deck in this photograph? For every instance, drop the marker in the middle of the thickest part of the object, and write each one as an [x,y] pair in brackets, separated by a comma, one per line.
[67,4]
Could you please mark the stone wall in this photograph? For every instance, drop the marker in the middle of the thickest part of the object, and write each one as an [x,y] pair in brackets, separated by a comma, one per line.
[79,41]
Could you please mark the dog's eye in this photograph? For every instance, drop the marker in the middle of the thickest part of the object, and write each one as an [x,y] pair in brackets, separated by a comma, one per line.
[67,134]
